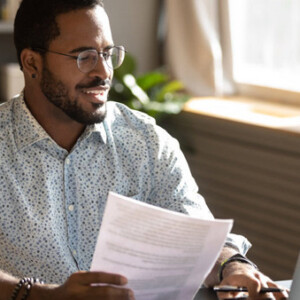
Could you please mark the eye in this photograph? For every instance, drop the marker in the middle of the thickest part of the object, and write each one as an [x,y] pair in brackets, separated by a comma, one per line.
[88,55]
[106,55]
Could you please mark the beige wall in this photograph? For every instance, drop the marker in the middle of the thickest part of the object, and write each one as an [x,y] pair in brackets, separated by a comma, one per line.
[134,24]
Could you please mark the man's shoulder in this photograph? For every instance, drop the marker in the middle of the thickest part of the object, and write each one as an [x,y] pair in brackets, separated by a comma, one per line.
[5,106]
[119,114]
[6,132]
[5,115]
[118,109]
[123,120]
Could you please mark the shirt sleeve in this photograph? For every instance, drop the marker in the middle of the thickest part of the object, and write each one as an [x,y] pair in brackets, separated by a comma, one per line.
[175,187]
[238,242]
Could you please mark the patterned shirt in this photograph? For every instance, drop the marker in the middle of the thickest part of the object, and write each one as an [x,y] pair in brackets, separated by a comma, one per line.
[52,200]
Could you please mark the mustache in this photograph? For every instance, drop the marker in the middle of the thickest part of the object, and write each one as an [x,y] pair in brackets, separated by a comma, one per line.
[97,82]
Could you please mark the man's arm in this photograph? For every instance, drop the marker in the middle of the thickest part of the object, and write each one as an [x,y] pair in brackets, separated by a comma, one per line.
[77,286]
[7,285]
[213,277]
[243,275]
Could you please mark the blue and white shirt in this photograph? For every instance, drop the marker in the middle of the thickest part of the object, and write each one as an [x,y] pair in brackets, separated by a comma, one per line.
[52,201]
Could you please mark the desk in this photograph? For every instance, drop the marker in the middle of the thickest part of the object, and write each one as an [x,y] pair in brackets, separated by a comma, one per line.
[209,294]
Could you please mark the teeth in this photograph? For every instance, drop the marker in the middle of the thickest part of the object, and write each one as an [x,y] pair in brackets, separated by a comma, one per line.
[93,92]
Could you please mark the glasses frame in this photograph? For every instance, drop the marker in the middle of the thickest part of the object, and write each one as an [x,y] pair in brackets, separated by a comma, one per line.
[104,54]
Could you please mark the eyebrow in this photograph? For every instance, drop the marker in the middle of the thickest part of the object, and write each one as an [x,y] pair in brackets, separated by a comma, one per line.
[80,49]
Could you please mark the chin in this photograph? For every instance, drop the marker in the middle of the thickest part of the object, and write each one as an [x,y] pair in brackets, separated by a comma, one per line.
[88,117]
[95,118]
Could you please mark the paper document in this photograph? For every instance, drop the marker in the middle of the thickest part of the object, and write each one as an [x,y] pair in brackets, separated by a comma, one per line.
[165,255]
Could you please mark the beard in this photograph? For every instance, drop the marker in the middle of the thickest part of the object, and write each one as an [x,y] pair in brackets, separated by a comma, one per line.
[58,94]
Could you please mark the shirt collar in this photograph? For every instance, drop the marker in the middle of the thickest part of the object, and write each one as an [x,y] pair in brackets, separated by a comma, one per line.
[95,128]
[28,131]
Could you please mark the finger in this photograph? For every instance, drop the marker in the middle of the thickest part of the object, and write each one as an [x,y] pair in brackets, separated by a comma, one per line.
[112,292]
[232,295]
[252,282]
[262,283]
[266,282]
[88,278]
[237,297]
[228,295]
[279,295]
[249,281]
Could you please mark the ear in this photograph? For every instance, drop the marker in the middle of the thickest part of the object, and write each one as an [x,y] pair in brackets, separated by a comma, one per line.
[31,62]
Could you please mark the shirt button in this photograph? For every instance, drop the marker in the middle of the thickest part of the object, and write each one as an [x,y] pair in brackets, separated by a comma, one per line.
[67,161]
[74,252]
[71,207]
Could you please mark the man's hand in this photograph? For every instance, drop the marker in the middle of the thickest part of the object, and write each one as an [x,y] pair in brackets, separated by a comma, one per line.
[86,285]
[244,275]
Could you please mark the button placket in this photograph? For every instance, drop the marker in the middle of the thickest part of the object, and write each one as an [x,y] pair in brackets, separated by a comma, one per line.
[70,208]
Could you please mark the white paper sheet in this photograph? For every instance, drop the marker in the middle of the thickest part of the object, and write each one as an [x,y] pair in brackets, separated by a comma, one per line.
[165,255]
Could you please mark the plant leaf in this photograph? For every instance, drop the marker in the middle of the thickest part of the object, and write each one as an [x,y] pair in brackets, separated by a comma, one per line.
[136,90]
[169,88]
[149,80]
[164,107]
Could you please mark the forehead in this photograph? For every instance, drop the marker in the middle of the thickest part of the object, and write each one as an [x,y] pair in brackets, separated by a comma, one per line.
[83,28]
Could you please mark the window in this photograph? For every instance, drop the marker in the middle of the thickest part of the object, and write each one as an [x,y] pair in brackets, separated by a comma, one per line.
[265,39]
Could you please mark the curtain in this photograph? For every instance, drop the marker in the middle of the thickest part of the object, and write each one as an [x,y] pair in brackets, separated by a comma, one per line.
[196,51]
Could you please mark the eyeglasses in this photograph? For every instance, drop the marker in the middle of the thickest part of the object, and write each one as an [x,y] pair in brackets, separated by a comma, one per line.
[88,59]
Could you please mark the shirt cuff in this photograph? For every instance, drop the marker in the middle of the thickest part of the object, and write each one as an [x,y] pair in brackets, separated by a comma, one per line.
[238,242]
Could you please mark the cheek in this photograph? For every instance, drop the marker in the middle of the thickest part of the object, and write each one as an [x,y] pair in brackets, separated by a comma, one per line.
[63,68]
[68,79]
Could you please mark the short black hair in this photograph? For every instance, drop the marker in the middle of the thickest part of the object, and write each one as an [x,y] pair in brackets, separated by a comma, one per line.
[35,22]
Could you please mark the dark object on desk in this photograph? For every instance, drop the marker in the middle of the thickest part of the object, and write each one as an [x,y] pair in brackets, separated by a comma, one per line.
[209,294]
[228,288]
[206,294]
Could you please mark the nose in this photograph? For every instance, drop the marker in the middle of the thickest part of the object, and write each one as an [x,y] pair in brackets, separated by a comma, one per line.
[101,70]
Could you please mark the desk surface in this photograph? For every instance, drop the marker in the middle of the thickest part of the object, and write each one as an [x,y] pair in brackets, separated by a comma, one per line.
[209,294]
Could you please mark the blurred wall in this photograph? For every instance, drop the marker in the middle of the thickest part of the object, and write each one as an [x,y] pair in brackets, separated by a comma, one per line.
[134,25]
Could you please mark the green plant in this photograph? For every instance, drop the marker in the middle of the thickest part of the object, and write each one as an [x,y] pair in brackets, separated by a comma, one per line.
[153,93]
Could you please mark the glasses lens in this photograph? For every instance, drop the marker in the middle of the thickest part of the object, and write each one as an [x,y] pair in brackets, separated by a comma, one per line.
[87,60]
[115,57]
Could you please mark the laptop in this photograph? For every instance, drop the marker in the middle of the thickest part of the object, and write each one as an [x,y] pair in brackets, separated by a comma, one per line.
[295,288]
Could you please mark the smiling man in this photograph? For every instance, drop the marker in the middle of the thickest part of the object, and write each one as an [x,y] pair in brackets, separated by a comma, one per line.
[72,75]
[64,147]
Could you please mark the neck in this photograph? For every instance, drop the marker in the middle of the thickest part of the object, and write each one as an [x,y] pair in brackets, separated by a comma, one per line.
[62,129]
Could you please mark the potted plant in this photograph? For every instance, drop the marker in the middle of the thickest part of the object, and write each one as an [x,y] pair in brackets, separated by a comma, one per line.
[154,93]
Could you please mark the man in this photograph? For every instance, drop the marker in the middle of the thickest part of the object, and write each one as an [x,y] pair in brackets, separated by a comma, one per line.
[63,147]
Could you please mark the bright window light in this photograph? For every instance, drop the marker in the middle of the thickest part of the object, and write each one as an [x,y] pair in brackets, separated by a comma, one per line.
[265,37]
